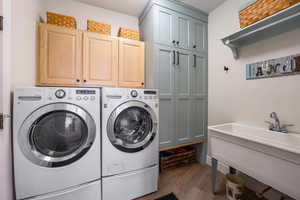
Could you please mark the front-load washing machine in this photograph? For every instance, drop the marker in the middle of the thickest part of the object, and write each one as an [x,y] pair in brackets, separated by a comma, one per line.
[56,143]
[130,149]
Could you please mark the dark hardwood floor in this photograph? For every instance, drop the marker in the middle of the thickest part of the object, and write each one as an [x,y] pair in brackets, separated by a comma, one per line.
[190,182]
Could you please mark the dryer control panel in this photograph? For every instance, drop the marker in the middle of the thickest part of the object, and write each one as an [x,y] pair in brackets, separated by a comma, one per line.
[139,94]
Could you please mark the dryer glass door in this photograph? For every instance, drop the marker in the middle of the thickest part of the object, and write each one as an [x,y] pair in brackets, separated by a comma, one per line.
[57,135]
[132,126]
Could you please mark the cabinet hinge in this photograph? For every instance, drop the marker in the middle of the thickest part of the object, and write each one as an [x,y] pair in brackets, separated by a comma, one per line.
[2,118]
[1,23]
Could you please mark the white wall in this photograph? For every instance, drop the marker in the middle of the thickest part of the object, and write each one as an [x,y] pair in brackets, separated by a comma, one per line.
[231,97]
[27,13]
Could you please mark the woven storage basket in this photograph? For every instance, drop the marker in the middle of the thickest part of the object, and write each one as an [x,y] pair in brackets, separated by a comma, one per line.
[98,27]
[261,9]
[129,34]
[61,20]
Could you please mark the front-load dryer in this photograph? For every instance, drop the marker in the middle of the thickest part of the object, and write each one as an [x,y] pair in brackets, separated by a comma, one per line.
[56,143]
[130,149]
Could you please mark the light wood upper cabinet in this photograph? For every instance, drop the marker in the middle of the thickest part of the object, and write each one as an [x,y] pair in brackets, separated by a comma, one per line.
[70,57]
[100,60]
[60,56]
[131,64]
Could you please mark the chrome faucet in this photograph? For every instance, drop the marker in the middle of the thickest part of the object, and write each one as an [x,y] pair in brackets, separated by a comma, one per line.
[276,126]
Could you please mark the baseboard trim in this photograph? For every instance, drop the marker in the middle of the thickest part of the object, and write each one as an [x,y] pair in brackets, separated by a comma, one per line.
[222,167]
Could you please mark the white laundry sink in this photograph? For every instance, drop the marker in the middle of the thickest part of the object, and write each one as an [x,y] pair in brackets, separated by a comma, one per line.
[271,157]
[285,141]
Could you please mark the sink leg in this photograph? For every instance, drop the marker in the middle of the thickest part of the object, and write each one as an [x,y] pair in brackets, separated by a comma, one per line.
[214,175]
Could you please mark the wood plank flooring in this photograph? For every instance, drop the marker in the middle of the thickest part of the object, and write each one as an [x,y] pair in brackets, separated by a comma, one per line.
[190,182]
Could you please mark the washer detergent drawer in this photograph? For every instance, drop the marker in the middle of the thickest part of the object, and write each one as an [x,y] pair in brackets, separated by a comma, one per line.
[131,185]
[90,191]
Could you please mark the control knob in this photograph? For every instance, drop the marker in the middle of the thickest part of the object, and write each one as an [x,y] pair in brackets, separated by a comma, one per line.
[134,93]
[60,94]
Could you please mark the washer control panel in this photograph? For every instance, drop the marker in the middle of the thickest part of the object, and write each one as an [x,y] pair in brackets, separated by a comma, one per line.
[63,94]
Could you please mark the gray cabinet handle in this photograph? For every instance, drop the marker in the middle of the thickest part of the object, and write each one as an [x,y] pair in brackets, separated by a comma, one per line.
[174,57]
[195,60]
[177,57]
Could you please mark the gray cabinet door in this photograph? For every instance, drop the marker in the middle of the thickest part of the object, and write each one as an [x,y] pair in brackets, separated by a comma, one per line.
[182,95]
[164,81]
[198,34]
[165,26]
[198,75]
[183,24]
[198,95]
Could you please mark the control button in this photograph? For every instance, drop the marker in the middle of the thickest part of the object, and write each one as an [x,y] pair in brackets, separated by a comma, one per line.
[85,98]
[134,93]
[60,94]
[78,98]
[93,98]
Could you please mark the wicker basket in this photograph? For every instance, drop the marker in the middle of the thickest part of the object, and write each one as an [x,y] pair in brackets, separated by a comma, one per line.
[129,34]
[98,27]
[61,20]
[261,9]
[177,157]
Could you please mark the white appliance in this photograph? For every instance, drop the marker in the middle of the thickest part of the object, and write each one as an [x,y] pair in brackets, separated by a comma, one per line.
[130,151]
[56,143]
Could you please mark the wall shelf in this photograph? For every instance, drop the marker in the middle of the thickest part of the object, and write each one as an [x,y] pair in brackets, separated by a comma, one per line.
[276,24]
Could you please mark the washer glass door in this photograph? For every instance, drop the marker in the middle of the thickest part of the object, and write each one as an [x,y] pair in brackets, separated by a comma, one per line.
[132,126]
[57,135]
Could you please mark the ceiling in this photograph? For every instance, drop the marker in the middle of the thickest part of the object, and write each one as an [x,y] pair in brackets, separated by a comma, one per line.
[135,7]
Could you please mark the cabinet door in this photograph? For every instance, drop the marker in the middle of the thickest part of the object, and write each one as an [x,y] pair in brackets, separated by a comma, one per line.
[198,34]
[100,60]
[198,94]
[183,31]
[60,56]
[198,75]
[165,28]
[198,116]
[182,95]
[131,63]
[164,66]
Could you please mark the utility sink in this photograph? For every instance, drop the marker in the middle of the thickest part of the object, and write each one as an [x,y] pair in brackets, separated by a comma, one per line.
[270,157]
[285,141]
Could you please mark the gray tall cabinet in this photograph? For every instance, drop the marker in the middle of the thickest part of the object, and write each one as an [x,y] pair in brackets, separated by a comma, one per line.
[176,64]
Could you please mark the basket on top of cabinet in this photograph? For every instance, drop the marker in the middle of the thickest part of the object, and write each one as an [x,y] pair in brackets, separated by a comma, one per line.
[61,20]
[129,34]
[98,27]
[257,10]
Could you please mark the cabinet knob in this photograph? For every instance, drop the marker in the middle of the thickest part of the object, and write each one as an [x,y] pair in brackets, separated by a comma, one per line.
[84,81]
[195,46]
[173,41]
[142,83]
[177,42]
[77,80]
